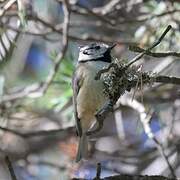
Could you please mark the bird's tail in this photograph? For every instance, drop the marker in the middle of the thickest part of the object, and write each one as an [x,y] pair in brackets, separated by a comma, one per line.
[82,148]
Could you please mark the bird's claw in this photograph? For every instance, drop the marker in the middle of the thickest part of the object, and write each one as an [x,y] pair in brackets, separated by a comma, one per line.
[97,129]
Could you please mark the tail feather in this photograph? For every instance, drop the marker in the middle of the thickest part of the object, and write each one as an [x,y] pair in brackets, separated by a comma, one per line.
[82,148]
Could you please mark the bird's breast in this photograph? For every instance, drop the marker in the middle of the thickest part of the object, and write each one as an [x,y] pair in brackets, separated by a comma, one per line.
[90,97]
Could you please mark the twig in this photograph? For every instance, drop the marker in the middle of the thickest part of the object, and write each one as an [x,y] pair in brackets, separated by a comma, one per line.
[106,9]
[58,29]
[132,177]
[62,167]
[154,54]
[150,48]
[25,92]
[40,132]
[98,172]
[83,37]
[167,79]
[139,56]
[11,131]
[140,20]
[38,90]
[163,154]
[61,55]
[145,120]
[91,12]
[6,7]
[10,167]
[115,5]
[173,119]
[21,12]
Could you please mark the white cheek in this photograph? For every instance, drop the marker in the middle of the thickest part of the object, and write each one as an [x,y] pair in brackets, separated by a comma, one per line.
[84,57]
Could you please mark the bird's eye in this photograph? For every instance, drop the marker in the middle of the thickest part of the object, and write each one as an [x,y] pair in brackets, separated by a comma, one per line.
[85,52]
[97,47]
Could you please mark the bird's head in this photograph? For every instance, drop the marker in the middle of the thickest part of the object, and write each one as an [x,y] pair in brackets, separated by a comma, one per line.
[95,52]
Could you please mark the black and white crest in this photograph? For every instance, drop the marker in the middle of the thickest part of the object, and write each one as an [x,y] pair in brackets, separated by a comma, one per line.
[95,52]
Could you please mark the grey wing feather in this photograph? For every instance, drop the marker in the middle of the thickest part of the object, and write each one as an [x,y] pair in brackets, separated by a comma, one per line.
[76,87]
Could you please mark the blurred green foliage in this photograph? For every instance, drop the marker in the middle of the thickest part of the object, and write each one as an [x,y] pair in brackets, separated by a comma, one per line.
[60,91]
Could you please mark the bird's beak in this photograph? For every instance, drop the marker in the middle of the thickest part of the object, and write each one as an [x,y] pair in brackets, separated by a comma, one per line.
[111,47]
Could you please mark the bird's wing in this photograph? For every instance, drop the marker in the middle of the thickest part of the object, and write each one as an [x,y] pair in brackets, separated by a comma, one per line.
[76,86]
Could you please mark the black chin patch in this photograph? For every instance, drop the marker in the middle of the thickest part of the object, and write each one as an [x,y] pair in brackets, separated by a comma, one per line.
[107,56]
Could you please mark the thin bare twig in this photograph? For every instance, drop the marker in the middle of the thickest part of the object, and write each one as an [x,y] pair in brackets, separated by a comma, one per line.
[172,119]
[98,172]
[150,48]
[163,154]
[91,12]
[38,90]
[61,131]
[83,37]
[145,119]
[167,79]
[140,20]
[10,167]
[61,55]
[58,29]
[132,177]
[106,9]
[6,7]
[153,54]
[138,57]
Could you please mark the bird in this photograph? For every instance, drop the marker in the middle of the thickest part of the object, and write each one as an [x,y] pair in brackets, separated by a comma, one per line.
[88,96]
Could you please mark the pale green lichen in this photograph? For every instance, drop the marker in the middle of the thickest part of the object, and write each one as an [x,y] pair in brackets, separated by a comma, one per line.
[118,79]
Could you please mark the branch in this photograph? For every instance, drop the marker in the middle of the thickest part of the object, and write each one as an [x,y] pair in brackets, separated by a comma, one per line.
[153,54]
[91,12]
[37,90]
[138,57]
[61,55]
[109,7]
[167,80]
[145,119]
[150,48]
[10,167]
[98,172]
[140,20]
[58,29]
[6,7]
[63,132]
[132,177]
[149,79]
[83,37]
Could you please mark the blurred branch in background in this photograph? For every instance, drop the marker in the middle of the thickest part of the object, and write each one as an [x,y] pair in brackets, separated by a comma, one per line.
[40,89]
[39,42]
[10,167]
[6,6]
